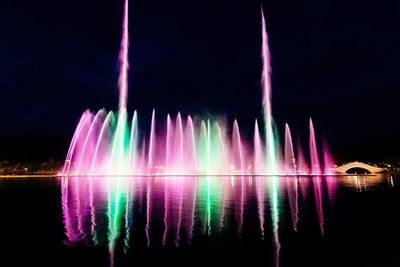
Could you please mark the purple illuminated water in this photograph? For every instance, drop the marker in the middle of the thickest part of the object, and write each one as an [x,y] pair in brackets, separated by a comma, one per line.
[176,211]
[107,143]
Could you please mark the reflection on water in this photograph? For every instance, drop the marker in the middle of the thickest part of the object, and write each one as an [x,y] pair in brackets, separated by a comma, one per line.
[174,211]
[275,216]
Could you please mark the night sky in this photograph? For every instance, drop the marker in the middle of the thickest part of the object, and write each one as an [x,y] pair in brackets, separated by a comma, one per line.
[336,61]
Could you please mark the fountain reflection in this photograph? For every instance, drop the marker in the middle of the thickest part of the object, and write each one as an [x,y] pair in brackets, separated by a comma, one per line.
[293,195]
[275,216]
[318,201]
[177,211]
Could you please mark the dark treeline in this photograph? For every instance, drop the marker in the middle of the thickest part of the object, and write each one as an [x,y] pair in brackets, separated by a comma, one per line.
[29,154]
[37,167]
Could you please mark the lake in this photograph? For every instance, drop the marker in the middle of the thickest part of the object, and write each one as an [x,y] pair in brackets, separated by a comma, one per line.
[200,220]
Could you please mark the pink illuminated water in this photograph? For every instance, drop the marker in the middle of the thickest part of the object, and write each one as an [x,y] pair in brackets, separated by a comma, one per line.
[175,211]
[108,143]
[124,63]
[314,158]
[290,160]
[266,101]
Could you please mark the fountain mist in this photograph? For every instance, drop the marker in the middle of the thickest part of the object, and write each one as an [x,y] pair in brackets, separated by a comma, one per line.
[111,144]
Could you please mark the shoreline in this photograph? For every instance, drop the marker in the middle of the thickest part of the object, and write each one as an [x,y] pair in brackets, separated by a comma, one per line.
[178,175]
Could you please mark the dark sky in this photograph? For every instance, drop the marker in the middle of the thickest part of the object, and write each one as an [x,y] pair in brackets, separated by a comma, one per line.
[336,61]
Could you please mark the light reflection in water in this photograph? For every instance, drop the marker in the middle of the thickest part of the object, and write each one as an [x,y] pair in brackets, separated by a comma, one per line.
[177,211]
[318,202]
[361,183]
[260,204]
[275,216]
[293,195]
[391,181]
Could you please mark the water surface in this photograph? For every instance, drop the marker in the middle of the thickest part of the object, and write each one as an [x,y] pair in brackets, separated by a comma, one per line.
[272,221]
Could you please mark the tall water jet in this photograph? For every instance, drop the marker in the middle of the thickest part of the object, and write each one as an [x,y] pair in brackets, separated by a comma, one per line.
[152,140]
[208,145]
[220,150]
[202,148]
[258,151]
[120,139]
[123,60]
[192,145]
[237,148]
[134,142]
[315,165]
[329,163]
[118,150]
[168,143]
[179,136]
[266,87]
[269,133]
[301,164]
[290,161]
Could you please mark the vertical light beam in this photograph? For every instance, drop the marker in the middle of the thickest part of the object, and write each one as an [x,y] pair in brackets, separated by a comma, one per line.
[123,61]
[266,88]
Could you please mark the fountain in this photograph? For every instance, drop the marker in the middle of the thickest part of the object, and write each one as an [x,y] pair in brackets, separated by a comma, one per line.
[108,143]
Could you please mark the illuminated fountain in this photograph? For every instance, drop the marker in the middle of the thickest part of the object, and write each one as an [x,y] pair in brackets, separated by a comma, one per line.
[108,143]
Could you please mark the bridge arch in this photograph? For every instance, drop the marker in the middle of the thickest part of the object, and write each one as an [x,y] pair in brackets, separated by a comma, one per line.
[357,170]
[359,165]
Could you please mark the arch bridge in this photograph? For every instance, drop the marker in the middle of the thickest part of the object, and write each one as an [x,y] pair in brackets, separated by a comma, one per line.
[344,168]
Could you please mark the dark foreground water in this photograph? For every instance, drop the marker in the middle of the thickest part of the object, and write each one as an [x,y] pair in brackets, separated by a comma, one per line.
[208,221]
